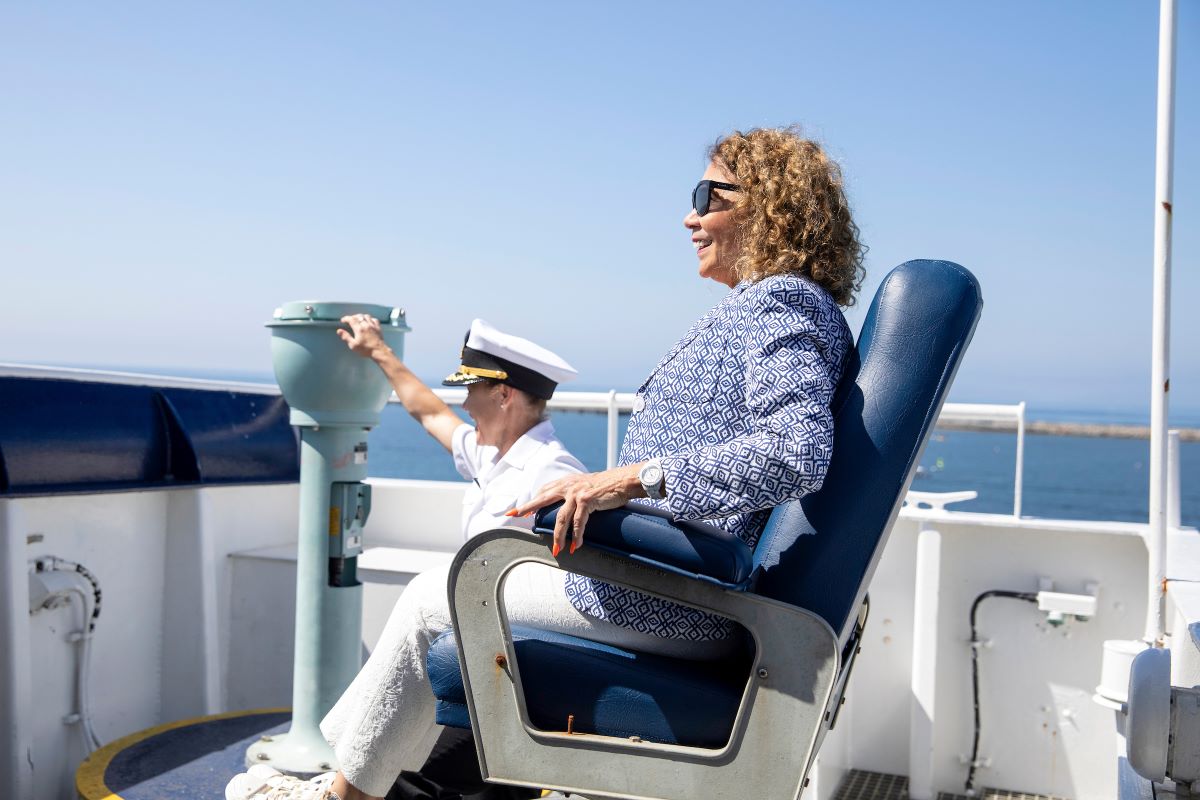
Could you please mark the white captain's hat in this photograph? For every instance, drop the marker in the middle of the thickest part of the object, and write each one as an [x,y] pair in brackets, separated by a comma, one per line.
[490,353]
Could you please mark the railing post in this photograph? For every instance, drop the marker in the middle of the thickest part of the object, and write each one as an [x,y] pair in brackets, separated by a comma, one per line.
[1173,496]
[612,428]
[1020,476]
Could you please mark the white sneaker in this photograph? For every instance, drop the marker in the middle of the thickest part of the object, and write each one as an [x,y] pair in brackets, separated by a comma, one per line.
[261,782]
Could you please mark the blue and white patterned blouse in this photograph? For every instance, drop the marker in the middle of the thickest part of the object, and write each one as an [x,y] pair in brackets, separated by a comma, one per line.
[738,414]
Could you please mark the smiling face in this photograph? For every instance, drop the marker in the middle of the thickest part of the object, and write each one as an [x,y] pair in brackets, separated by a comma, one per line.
[714,235]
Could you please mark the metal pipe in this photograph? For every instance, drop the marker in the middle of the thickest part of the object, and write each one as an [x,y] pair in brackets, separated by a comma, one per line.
[1160,385]
[983,412]
[83,705]
[562,401]
[8,370]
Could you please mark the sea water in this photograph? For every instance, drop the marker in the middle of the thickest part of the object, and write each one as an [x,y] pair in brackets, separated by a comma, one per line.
[1065,477]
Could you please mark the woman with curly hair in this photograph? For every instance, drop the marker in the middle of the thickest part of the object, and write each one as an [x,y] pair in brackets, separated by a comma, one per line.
[732,422]
[735,420]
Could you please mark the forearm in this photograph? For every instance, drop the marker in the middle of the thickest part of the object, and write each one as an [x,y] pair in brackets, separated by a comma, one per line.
[418,399]
[626,479]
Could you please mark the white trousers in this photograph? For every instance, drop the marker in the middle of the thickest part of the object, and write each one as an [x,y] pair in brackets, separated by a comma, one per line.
[384,723]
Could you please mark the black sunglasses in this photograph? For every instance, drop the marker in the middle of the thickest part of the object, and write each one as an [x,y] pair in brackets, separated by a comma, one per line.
[702,194]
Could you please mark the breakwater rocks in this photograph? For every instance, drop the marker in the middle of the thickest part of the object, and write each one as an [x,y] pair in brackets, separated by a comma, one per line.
[1070,429]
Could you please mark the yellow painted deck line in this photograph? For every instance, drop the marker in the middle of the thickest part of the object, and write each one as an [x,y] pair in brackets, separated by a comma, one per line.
[89,778]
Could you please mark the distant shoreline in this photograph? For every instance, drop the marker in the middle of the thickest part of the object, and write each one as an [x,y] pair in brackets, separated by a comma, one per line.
[1096,430]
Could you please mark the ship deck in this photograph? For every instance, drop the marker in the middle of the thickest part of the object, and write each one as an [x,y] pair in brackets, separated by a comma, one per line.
[194,759]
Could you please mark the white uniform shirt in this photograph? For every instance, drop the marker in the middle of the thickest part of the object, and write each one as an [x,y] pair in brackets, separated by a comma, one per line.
[500,485]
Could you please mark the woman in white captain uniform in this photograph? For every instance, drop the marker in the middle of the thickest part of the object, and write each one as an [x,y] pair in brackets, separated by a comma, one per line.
[511,451]
[383,725]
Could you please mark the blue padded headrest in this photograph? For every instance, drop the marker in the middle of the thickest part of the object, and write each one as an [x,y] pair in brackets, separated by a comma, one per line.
[891,392]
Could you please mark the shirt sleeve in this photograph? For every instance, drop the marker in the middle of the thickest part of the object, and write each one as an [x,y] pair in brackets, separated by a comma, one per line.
[465,449]
[785,454]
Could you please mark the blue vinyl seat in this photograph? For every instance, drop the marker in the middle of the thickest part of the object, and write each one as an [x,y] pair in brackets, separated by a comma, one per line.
[565,713]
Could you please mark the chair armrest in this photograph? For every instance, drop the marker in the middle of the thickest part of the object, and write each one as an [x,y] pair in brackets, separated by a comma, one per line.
[651,536]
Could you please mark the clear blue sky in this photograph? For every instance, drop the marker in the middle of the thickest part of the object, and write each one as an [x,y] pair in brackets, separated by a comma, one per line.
[173,172]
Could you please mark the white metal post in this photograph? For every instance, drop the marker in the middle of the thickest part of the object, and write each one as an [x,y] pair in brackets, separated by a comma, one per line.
[1161,336]
[1173,498]
[612,429]
[1020,476]
[924,664]
[191,665]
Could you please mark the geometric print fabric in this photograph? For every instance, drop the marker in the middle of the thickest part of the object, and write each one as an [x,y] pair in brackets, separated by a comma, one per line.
[738,414]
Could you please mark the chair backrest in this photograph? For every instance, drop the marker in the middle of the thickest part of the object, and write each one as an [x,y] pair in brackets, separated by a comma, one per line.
[819,552]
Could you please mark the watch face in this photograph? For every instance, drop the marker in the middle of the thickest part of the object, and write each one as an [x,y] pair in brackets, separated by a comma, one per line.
[651,475]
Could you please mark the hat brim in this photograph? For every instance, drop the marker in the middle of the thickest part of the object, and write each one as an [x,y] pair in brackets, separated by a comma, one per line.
[462,379]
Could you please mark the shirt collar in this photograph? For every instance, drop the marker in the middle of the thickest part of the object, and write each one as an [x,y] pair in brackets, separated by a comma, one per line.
[530,442]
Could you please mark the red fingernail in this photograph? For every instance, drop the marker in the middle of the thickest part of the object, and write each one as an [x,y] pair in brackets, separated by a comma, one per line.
[511,513]
[572,546]
[554,550]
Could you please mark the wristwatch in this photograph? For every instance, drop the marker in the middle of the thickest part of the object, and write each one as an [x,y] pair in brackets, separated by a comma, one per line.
[653,480]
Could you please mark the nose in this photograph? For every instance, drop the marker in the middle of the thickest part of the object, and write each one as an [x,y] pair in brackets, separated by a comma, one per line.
[692,220]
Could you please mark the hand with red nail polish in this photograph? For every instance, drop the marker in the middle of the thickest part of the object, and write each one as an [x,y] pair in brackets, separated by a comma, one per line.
[581,495]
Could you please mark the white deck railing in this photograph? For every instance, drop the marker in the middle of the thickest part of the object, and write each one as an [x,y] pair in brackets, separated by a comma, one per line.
[611,403]
[615,403]
[965,413]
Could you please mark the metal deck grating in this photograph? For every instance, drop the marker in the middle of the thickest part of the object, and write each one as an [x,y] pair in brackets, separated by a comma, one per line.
[863,785]
[999,794]
[859,784]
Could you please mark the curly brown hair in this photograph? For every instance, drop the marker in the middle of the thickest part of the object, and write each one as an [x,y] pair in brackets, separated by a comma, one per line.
[792,214]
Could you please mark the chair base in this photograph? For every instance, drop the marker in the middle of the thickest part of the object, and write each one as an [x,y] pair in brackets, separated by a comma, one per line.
[792,675]
[600,689]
